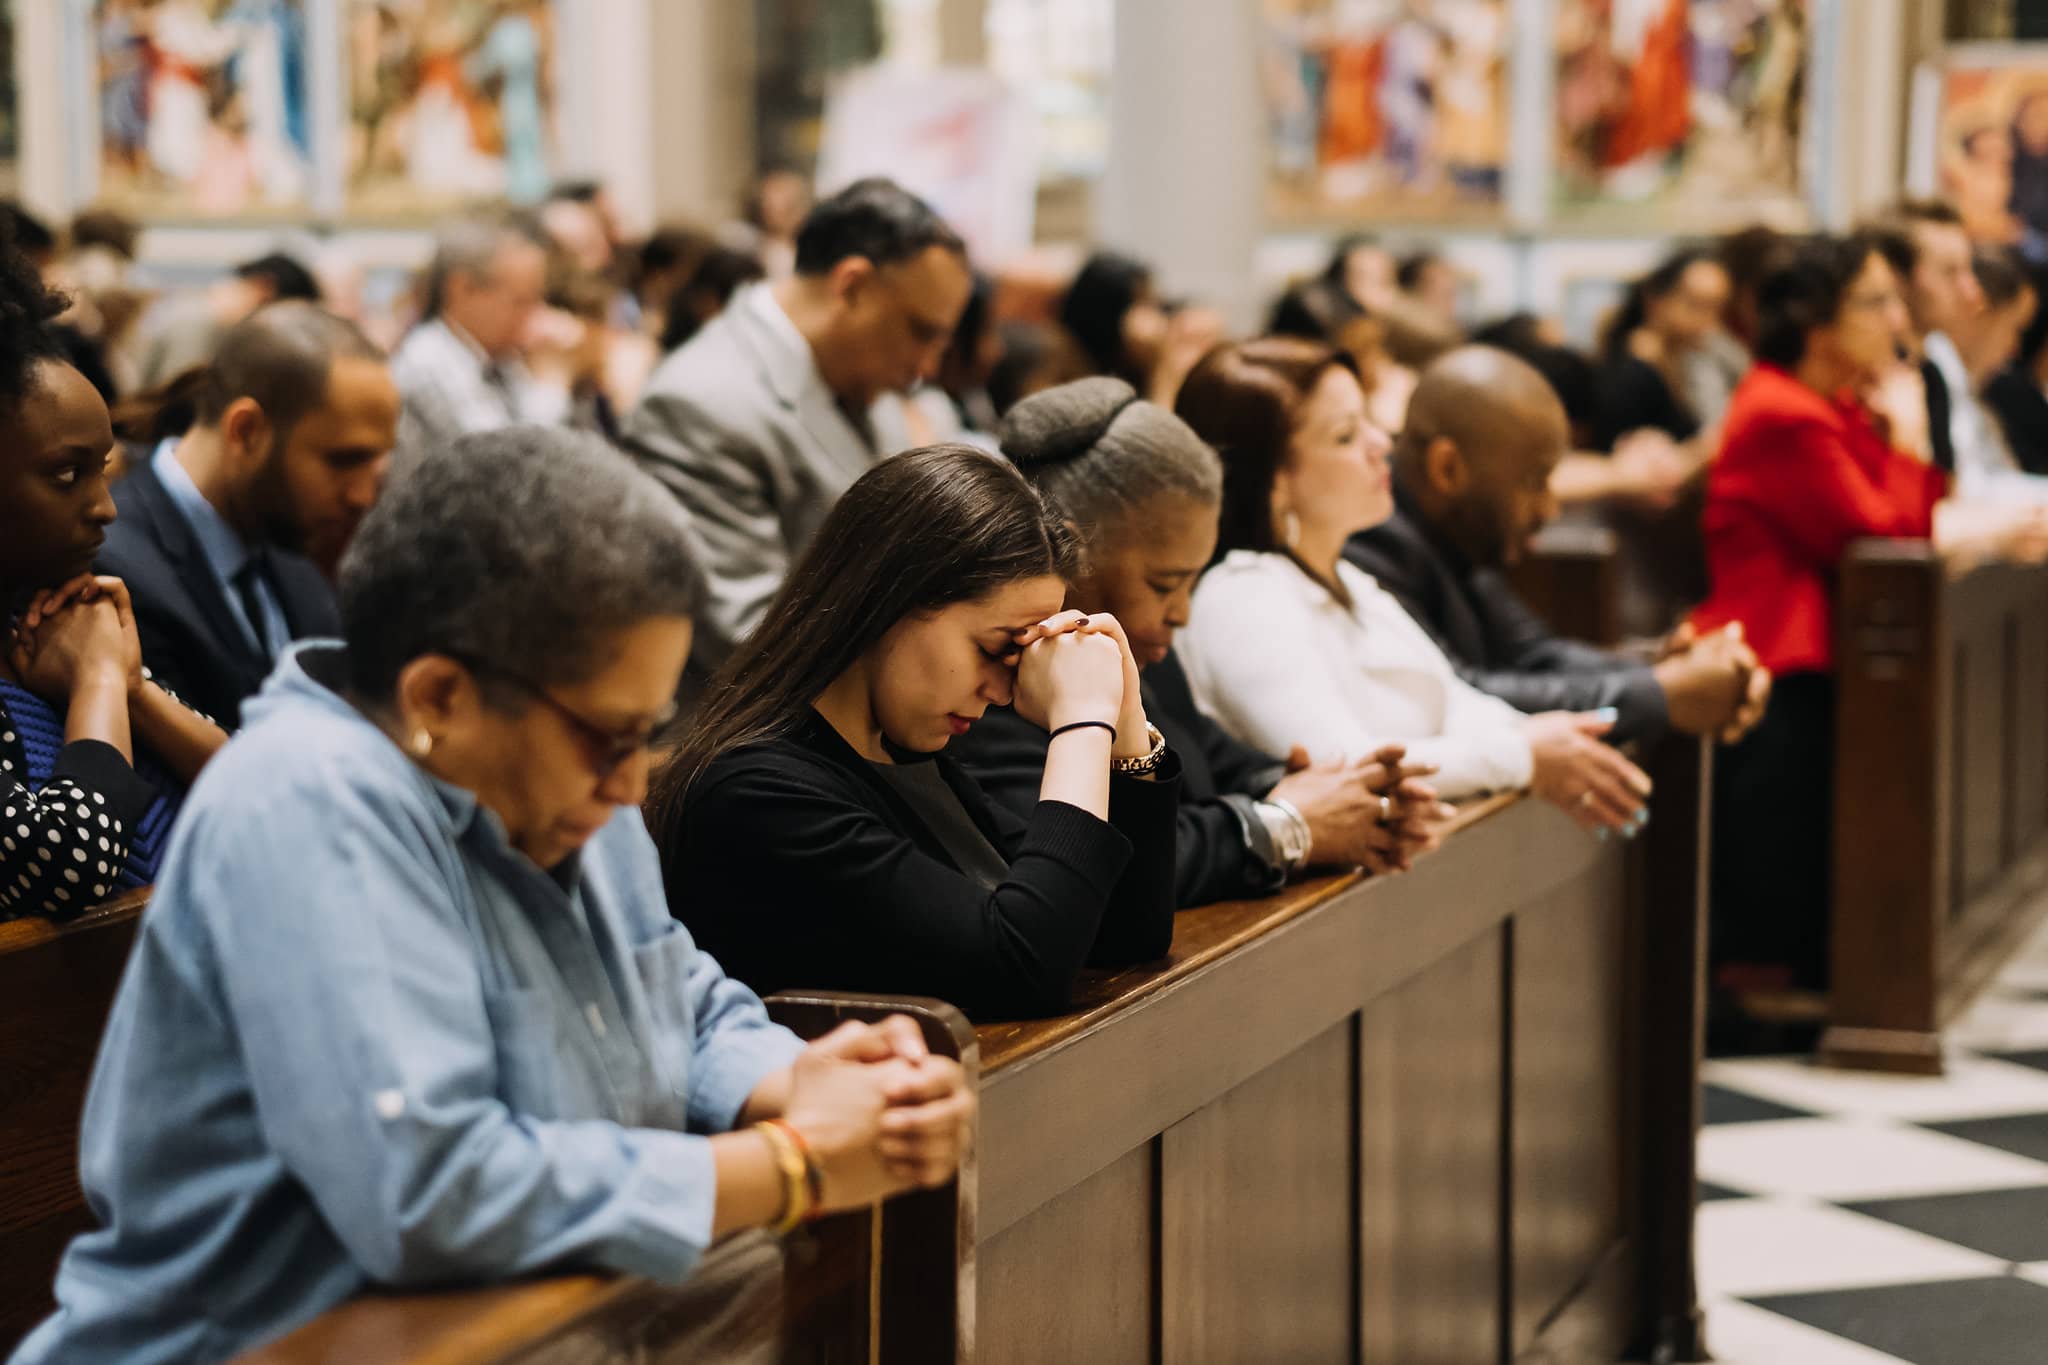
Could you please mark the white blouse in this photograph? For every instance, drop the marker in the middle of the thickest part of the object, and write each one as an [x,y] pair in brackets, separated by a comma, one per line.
[1279,661]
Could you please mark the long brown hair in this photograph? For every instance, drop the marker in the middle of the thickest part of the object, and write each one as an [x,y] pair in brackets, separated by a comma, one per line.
[916,533]
[1243,398]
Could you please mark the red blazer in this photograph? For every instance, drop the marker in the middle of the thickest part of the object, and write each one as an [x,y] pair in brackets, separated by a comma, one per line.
[1800,476]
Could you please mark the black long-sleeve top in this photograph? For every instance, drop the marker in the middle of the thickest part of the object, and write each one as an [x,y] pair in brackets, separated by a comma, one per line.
[1494,640]
[1221,850]
[795,865]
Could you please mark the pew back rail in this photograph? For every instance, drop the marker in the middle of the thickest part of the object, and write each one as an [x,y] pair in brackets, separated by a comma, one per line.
[1941,794]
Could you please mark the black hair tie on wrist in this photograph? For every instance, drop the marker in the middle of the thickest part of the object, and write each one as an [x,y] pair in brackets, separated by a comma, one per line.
[1085,725]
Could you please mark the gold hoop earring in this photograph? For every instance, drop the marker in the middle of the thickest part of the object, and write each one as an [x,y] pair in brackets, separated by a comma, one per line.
[422,743]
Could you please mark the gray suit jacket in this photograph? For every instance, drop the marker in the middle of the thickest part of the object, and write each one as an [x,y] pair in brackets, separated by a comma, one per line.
[739,426]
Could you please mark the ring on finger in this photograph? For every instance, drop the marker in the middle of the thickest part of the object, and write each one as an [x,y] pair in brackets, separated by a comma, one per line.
[1386,810]
[1586,799]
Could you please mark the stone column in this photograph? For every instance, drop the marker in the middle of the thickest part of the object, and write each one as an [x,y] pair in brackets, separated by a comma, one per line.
[1185,189]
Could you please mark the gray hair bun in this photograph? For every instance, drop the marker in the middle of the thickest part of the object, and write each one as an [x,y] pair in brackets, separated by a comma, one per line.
[1064,423]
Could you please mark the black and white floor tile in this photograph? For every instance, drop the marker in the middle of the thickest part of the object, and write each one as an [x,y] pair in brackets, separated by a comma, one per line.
[1858,1219]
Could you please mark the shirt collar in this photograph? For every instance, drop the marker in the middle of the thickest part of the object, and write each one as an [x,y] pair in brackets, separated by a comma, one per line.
[227,554]
[1948,360]
[466,342]
[311,672]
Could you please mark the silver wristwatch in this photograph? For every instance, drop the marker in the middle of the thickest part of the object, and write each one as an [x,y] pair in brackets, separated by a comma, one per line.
[1287,828]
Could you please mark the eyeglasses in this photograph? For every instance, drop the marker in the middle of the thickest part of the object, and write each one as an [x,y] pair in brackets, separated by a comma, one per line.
[605,748]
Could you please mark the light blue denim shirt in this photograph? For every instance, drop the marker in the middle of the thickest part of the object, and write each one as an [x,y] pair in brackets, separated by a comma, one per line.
[363,1041]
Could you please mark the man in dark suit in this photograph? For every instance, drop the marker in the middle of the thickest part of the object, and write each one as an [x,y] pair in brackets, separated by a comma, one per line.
[228,533]
[1472,474]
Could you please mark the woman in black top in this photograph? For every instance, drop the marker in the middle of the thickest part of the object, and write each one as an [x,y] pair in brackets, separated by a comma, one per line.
[1641,415]
[816,831]
[1144,492]
[1644,349]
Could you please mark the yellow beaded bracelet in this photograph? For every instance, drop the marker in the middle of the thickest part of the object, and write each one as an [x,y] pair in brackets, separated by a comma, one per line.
[796,1193]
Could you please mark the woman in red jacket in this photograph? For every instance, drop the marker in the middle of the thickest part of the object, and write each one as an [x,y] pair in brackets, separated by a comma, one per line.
[1807,466]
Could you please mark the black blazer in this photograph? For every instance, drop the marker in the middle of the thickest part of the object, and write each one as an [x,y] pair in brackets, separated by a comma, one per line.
[1492,638]
[2022,410]
[795,865]
[1220,851]
[191,639]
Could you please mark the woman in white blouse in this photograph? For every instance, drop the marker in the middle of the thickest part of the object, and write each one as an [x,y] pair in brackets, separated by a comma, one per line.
[1289,645]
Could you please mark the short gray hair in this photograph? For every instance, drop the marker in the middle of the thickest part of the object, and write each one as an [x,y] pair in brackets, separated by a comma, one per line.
[524,551]
[1098,453]
[469,246]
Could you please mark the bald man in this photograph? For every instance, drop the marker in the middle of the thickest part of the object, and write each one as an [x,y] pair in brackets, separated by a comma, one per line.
[228,532]
[1471,485]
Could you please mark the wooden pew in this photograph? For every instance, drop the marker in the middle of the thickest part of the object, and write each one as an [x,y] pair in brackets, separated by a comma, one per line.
[1429,1118]
[56,984]
[1941,794]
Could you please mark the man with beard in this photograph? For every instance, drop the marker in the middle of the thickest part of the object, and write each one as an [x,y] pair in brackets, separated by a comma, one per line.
[1472,474]
[229,532]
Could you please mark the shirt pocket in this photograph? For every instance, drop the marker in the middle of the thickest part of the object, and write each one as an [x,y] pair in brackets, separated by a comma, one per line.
[663,965]
[526,1032]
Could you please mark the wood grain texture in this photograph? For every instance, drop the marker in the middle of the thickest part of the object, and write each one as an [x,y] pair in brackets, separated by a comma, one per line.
[1568,1166]
[1077,1279]
[1200,936]
[1941,793]
[1256,1231]
[57,983]
[1431,1128]
[1138,1071]
[1893,808]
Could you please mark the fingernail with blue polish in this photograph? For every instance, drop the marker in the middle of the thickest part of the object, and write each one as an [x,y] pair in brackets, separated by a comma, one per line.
[1607,713]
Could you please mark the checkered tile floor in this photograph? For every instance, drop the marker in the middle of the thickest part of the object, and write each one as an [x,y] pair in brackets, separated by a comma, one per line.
[1856,1219]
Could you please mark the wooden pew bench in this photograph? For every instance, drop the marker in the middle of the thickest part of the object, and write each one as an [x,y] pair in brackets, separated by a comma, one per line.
[56,985]
[1941,794]
[1441,1117]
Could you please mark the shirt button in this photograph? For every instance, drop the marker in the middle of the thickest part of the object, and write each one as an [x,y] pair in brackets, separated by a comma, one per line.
[596,1018]
[390,1104]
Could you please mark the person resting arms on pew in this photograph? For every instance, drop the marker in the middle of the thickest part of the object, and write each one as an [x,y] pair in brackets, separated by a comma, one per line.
[408,1008]
[1471,486]
[1142,491]
[94,755]
[814,833]
[1287,644]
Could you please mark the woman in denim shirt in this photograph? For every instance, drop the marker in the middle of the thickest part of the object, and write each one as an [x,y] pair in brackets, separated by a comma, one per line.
[409,1007]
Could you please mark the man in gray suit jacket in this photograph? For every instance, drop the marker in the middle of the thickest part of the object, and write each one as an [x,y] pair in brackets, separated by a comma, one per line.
[768,414]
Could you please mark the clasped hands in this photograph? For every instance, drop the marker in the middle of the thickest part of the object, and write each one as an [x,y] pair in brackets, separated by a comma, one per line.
[80,631]
[880,1112]
[1376,813]
[1713,684]
[1077,666]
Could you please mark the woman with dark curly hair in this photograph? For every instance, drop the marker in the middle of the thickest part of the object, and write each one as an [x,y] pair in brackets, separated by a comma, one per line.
[93,755]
